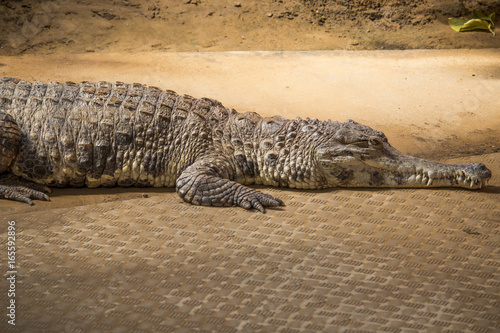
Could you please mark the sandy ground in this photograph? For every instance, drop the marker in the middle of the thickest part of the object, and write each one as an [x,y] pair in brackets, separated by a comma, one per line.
[72,26]
[435,104]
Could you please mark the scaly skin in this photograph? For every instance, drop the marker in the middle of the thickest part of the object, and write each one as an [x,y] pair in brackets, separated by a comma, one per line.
[117,134]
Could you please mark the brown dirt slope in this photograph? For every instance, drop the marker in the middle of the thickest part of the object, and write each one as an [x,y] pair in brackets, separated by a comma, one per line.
[62,26]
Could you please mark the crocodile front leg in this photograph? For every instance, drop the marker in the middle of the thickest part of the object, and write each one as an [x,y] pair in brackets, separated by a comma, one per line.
[206,182]
[12,187]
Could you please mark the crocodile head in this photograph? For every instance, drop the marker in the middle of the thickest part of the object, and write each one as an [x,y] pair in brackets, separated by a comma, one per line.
[358,156]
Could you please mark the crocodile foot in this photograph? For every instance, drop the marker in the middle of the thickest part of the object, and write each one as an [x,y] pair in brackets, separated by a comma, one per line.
[205,183]
[19,189]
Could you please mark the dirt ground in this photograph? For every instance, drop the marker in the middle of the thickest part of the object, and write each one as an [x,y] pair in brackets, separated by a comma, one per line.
[65,26]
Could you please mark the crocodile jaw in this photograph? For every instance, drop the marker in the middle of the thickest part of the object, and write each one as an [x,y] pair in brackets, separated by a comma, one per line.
[387,167]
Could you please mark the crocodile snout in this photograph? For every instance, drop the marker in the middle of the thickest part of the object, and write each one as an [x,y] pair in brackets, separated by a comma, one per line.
[481,171]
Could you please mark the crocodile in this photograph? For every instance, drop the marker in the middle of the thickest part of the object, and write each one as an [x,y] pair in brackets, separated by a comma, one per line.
[117,134]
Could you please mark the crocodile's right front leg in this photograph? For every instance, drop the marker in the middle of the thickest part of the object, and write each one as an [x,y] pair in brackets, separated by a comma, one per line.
[12,187]
[206,183]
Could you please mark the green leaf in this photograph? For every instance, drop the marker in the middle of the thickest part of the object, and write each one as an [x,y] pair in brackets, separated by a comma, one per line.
[479,22]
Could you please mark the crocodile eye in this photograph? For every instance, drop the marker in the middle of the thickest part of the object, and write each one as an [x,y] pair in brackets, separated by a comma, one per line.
[376,142]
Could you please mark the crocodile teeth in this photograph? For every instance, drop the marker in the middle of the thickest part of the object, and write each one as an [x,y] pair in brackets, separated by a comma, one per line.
[429,183]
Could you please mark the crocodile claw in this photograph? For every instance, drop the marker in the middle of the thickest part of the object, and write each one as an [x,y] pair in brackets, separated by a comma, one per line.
[258,200]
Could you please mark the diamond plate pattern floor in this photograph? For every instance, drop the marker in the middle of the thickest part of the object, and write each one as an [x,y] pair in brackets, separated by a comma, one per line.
[330,261]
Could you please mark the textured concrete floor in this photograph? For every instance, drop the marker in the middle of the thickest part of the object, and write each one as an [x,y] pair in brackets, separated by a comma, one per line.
[333,261]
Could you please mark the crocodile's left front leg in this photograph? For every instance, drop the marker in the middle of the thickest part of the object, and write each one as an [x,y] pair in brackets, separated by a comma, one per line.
[12,187]
[207,182]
